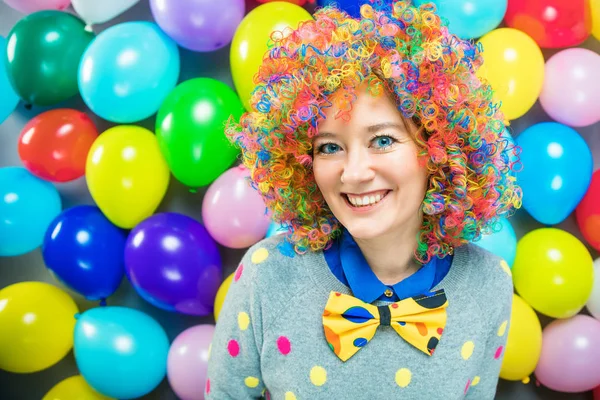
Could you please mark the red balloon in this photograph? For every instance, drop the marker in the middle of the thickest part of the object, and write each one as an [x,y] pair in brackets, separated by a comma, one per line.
[551,23]
[597,393]
[54,145]
[588,213]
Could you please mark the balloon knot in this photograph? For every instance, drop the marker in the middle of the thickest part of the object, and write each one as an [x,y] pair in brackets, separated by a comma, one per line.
[88,28]
[525,380]
[103,303]
[77,315]
[193,190]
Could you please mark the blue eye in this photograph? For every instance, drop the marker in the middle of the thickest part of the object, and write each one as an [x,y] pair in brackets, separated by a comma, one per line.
[383,142]
[328,148]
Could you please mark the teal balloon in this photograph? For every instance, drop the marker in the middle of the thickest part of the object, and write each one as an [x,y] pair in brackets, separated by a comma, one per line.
[120,352]
[275,229]
[9,98]
[502,243]
[127,71]
[470,19]
[27,207]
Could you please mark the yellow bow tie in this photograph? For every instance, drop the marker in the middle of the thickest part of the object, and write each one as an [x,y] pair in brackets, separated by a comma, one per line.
[350,323]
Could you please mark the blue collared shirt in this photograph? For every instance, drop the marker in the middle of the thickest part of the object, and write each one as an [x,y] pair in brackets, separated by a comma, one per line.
[347,263]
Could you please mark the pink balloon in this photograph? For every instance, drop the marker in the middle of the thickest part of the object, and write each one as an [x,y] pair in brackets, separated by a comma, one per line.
[233,212]
[30,6]
[571,90]
[188,360]
[570,358]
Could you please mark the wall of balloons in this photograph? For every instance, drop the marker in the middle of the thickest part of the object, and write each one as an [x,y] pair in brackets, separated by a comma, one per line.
[130,72]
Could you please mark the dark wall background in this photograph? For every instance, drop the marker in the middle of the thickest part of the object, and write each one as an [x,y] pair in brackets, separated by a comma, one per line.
[30,267]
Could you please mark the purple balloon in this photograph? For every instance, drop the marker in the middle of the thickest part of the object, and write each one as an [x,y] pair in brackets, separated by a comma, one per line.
[174,264]
[570,358]
[199,25]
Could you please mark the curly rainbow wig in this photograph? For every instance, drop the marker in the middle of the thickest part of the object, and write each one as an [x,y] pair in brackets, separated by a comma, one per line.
[409,52]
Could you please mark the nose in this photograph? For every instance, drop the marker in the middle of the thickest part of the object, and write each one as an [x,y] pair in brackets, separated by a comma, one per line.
[358,168]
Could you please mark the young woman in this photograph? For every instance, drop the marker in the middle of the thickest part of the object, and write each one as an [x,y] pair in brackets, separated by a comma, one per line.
[376,145]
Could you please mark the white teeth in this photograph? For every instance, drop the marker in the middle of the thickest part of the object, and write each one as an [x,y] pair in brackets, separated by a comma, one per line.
[365,200]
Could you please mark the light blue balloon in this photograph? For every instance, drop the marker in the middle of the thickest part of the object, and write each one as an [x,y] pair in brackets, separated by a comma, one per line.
[470,19]
[502,243]
[127,71]
[8,96]
[121,352]
[275,229]
[556,173]
[27,207]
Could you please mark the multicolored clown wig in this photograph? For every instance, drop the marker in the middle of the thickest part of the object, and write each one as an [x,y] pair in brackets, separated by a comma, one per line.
[431,73]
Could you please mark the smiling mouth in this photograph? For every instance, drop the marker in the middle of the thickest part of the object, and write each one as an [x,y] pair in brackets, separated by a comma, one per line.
[363,201]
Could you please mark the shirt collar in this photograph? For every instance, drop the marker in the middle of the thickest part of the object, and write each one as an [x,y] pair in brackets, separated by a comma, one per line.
[365,285]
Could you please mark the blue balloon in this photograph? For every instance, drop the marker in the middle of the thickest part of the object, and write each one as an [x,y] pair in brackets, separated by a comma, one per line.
[470,19]
[120,352]
[127,71]
[556,173]
[502,243]
[8,96]
[352,7]
[86,251]
[27,206]
[275,229]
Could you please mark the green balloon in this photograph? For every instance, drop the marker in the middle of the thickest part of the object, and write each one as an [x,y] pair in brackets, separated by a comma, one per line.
[42,56]
[190,130]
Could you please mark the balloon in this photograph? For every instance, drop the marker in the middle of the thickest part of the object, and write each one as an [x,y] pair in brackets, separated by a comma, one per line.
[588,212]
[596,393]
[502,243]
[121,352]
[36,326]
[469,19]
[126,174]
[127,71]
[31,6]
[570,358]
[595,5]
[593,303]
[352,7]
[27,206]
[73,388]
[9,99]
[188,362]
[42,56]
[190,130]
[524,342]
[54,145]
[571,89]
[234,212]
[557,171]
[85,251]
[553,272]
[514,66]
[251,37]
[99,12]
[197,24]
[551,23]
[275,229]
[174,264]
[221,294]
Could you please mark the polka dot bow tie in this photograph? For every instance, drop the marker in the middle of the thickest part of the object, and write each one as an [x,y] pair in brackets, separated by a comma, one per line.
[350,323]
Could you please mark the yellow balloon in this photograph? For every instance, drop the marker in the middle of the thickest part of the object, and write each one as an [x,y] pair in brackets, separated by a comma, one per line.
[74,388]
[553,272]
[249,43]
[127,174]
[524,343]
[514,67]
[221,293]
[595,18]
[36,326]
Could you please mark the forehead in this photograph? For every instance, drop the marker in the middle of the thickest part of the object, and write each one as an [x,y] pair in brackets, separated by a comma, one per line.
[367,109]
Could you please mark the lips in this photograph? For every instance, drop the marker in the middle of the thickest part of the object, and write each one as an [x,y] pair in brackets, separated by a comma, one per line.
[365,199]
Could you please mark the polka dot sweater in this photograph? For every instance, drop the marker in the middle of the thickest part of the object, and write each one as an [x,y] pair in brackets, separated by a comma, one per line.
[269,341]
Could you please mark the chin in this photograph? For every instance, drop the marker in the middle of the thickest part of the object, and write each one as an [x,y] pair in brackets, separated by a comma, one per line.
[366,230]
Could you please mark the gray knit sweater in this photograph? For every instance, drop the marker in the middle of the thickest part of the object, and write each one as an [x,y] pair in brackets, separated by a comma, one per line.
[269,340]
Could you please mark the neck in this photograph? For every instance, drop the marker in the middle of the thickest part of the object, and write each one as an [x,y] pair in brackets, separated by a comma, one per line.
[391,257]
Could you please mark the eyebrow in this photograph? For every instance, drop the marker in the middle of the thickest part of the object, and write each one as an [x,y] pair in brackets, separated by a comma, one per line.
[369,129]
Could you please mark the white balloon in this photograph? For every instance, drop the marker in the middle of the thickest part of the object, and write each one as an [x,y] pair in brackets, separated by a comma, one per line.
[593,303]
[98,12]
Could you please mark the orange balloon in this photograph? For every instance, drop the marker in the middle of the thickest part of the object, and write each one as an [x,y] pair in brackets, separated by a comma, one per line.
[54,145]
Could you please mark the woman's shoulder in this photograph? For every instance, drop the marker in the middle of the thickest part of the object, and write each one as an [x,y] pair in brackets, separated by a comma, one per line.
[273,265]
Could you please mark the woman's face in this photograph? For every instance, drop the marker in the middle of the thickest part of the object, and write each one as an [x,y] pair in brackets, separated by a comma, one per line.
[367,168]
